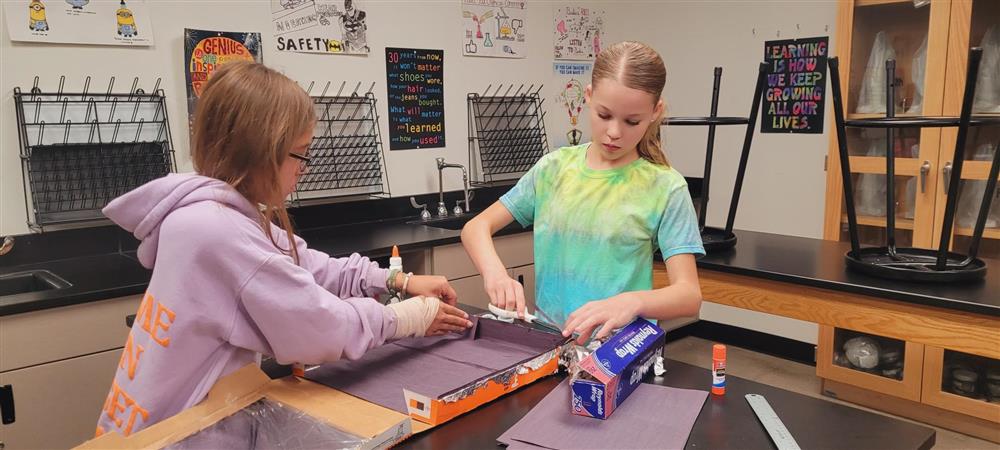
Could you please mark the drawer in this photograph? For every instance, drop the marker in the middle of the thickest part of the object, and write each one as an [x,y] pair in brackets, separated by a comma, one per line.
[57,405]
[48,335]
[452,262]
[471,292]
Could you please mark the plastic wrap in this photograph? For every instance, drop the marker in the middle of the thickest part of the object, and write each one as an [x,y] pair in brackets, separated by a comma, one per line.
[987,97]
[862,352]
[267,424]
[872,97]
[919,68]
[972,196]
[871,187]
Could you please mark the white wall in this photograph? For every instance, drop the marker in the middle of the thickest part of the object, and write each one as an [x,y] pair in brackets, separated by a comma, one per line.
[396,23]
[784,188]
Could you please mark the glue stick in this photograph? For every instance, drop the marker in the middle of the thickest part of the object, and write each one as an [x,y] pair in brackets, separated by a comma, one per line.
[718,369]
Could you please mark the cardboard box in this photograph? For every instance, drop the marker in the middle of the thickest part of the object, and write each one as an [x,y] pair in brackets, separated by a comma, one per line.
[380,427]
[435,411]
[433,406]
[606,377]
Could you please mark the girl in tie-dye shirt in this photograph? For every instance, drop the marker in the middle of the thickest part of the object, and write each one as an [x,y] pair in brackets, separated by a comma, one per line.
[600,210]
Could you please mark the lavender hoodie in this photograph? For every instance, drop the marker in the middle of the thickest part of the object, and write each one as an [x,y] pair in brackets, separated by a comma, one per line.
[221,293]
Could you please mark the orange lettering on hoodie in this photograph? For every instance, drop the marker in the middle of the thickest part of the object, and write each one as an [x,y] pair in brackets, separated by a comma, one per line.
[112,406]
[151,312]
[130,356]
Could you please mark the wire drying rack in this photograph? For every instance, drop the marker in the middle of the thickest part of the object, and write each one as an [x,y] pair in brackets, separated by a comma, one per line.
[506,134]
[81,150]
[346,152]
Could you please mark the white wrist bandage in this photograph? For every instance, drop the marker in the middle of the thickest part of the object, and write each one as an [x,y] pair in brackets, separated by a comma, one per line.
[414,315]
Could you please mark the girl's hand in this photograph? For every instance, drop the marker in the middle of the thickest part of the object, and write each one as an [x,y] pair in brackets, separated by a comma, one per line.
[429,286]
[505,292]
[449,319]
[609,314]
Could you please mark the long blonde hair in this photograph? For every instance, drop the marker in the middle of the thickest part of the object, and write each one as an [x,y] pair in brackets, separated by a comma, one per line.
[245,123]
[637,66]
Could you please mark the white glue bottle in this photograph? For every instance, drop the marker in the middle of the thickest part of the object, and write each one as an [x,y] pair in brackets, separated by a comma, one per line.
[395,262]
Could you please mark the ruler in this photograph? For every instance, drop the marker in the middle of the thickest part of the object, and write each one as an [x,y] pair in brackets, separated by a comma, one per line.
[779,434]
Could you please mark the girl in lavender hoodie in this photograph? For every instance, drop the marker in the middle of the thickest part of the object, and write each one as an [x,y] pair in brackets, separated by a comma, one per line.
[230,279]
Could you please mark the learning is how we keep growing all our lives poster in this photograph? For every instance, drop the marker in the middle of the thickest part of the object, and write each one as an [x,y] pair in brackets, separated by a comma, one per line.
[795,95]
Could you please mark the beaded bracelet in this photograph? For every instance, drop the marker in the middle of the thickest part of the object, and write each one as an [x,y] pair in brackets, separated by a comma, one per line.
[390,283]
[406,280]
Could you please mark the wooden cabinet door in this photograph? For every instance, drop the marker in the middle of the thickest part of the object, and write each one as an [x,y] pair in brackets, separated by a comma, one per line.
[937,363]
[970,22]
[915,152]
[908,387]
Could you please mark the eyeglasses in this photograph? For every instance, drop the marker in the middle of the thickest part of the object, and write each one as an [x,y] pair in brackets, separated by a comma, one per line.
[303,159]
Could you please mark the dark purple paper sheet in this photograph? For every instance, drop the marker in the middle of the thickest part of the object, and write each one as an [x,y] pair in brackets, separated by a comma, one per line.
[653,417]
[434,366]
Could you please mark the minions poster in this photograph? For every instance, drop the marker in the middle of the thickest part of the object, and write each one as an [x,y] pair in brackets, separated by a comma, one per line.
[98,22]
[205,51]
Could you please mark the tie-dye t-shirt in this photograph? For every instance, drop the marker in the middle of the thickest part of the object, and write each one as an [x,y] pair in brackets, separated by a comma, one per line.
[595,231]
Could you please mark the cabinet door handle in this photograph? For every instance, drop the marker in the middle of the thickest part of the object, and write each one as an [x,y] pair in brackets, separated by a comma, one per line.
[925,169]
[946,170]
[7,403]
[520,279]
[129,320]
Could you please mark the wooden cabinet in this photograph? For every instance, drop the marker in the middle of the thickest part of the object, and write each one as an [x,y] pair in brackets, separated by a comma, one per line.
[930,44]
[59,363]
[962,382]
[896,368]
[970,21]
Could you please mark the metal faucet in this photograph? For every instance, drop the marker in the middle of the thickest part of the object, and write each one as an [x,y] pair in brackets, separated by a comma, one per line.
[6,245]
[442,210]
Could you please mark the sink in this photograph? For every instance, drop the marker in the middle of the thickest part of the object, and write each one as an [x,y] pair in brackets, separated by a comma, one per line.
[448,223]
[30,281]
[457,222]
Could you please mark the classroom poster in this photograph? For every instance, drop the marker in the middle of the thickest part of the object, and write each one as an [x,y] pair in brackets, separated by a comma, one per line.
[205,51]
[494,28]
[578,33]
[415,87]
[97,22]
[572,79]
[320,26]
[796,85]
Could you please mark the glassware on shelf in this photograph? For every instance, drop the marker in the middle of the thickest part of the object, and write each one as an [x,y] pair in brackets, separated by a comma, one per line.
[872,96]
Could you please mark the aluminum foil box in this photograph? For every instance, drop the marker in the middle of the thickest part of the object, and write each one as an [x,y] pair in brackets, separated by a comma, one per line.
[606,377]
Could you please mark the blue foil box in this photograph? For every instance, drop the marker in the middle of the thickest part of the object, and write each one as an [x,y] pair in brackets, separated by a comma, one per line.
[615,369]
